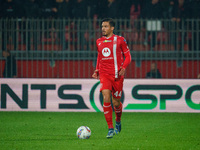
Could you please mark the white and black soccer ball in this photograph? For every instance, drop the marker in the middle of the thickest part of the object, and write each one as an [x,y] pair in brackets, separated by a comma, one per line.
[83,132]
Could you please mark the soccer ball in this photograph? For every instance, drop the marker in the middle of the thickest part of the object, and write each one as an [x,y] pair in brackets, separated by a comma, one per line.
[83,132]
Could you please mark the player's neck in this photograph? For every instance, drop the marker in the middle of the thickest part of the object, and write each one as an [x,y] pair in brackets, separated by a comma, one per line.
[108,36]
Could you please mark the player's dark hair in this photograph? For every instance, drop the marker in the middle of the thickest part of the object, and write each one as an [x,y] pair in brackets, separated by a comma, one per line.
[110,20]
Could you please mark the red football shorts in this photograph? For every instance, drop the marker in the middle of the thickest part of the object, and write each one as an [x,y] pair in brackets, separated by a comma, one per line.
[115,85]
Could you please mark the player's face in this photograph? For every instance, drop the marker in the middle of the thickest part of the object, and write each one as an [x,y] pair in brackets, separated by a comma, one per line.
[107,30]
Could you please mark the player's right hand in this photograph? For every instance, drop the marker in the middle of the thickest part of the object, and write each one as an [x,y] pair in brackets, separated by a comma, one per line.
[95,74]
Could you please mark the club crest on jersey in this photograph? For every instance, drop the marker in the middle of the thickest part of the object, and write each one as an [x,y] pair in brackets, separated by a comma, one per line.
[106,52]
[105,41]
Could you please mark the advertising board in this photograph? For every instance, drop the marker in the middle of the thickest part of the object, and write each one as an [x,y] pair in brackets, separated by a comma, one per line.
[82,95]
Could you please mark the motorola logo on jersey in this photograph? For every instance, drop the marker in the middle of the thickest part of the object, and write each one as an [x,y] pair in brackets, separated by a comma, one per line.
[106,52]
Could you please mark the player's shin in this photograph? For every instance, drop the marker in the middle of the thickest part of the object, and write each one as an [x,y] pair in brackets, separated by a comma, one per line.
[118,113]
[107,108]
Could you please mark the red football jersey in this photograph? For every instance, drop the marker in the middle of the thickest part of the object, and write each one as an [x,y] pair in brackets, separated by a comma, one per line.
[111,52]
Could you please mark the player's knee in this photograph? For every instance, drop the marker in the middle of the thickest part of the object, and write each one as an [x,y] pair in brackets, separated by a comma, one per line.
[106,98]
[116,103]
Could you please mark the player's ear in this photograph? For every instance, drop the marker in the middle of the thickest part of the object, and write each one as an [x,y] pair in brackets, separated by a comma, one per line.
[112,28]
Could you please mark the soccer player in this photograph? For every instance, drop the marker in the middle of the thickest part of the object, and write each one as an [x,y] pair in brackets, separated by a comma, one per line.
[110,69]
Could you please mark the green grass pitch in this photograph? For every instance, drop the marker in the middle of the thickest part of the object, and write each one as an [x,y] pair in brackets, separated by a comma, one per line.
[57,131]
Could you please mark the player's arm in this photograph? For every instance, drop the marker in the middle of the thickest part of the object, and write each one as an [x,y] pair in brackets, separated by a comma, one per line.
[127,59]
[125,64]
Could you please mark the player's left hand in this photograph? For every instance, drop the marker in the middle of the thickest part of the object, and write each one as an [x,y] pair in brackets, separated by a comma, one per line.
[122,71]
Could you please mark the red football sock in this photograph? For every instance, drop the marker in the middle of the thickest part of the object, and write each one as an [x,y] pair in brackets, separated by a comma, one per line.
[118,112]
[107,108]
